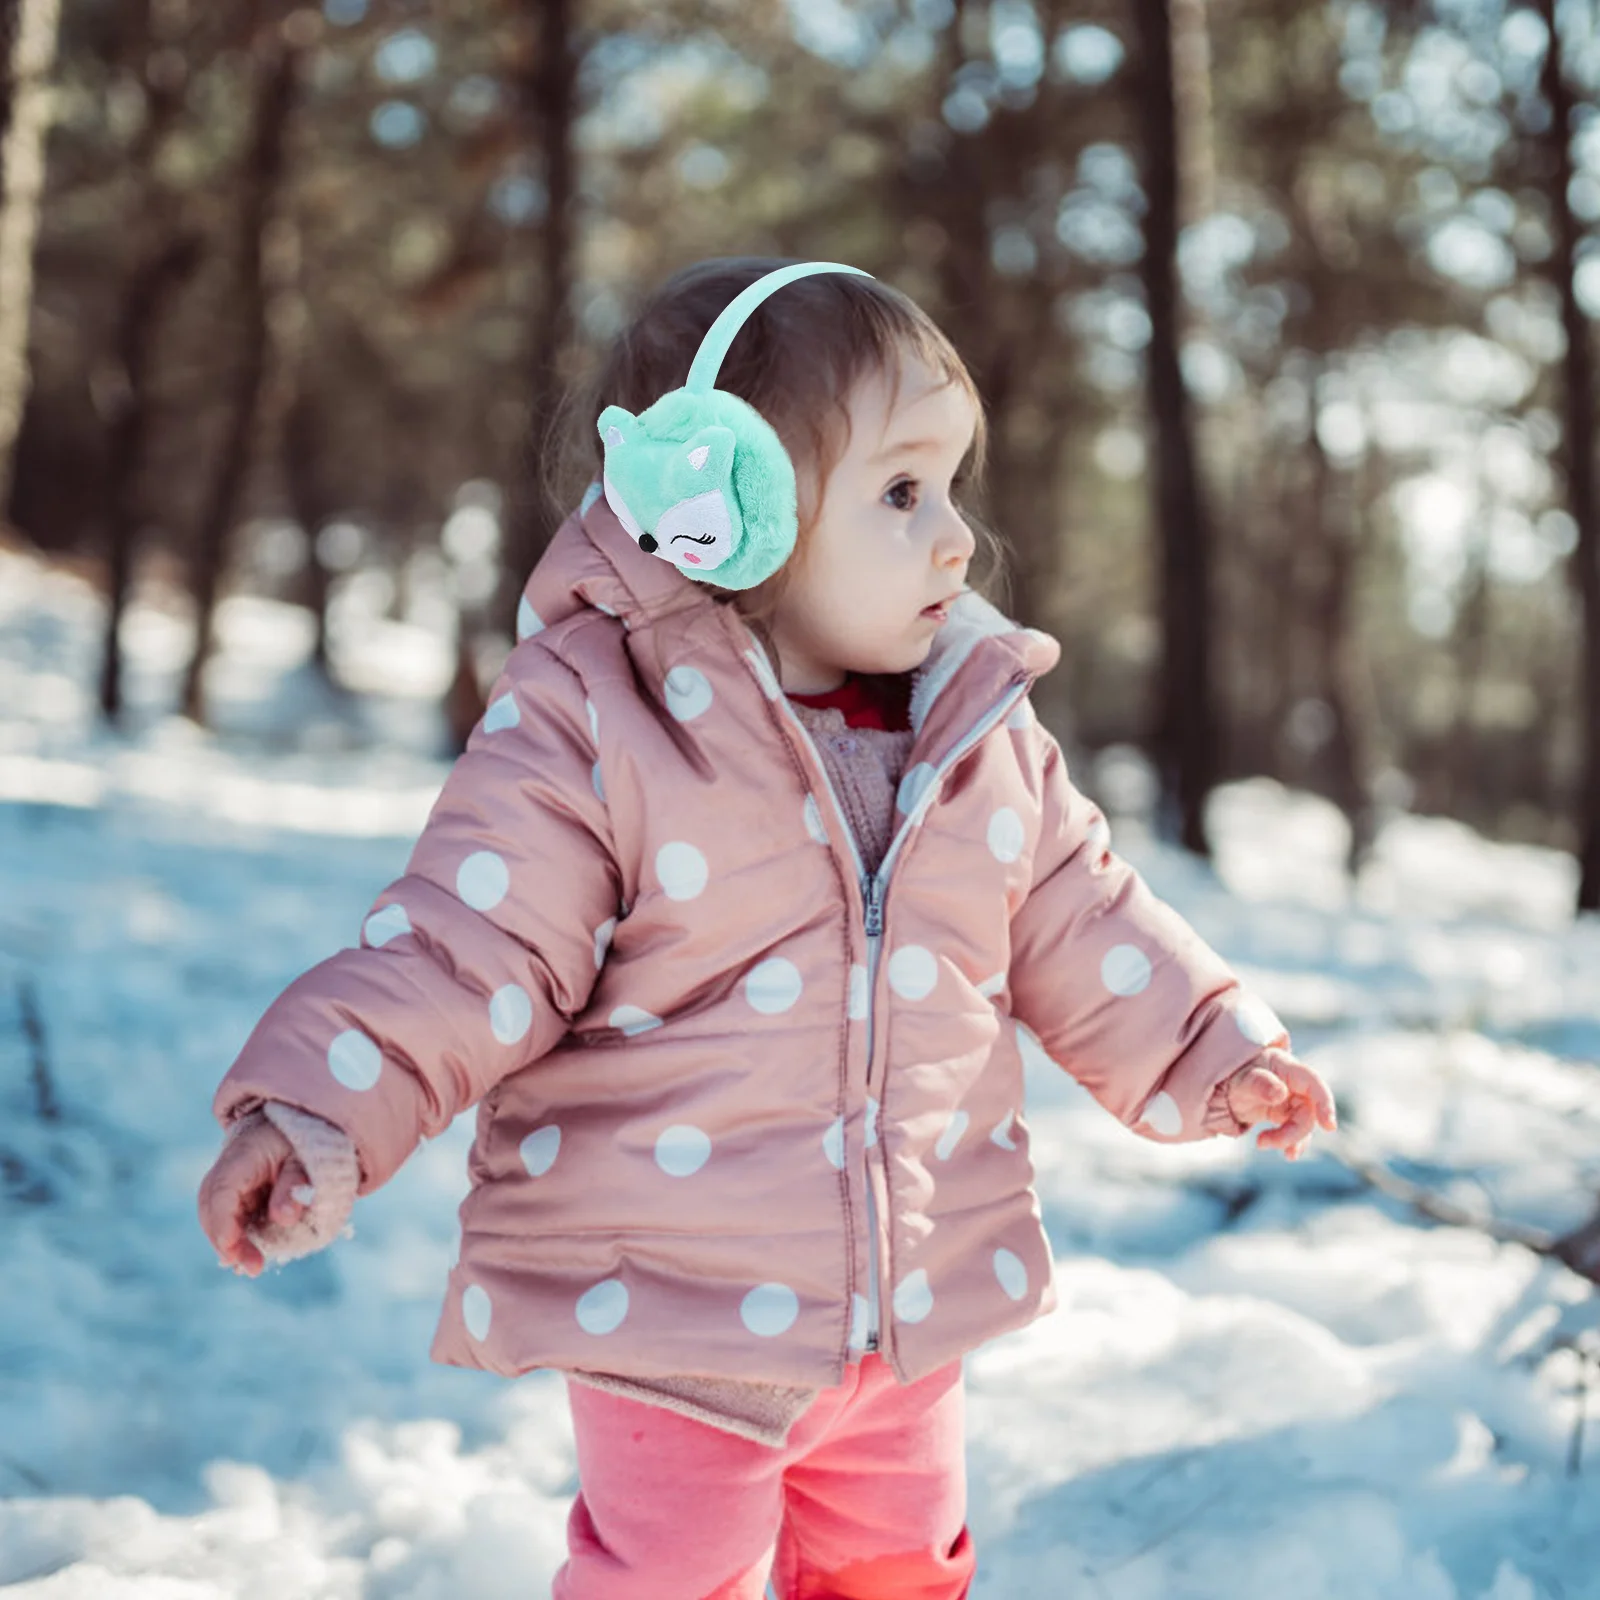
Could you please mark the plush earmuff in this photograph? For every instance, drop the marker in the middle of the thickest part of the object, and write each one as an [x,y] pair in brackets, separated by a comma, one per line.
[700,477]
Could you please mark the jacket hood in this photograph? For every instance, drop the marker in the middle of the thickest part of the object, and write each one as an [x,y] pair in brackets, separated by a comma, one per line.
[592,564]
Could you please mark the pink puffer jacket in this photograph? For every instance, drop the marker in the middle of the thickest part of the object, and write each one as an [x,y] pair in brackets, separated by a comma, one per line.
[728,1085]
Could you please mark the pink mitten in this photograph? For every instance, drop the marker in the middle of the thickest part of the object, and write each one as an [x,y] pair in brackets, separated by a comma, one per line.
[329,1157]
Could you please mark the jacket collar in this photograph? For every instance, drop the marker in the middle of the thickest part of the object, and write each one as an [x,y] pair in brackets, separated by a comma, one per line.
[591,563]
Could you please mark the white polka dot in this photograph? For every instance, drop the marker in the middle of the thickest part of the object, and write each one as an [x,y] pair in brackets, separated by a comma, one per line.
[951,1137]
[633,1019]
[913,972]
[858,993]
[501,713]
[510,1013]
[688,693]
[602,940]
[682,870]
[764,674]
[354,1059]
[529,622]
[833,1143]
[814,825]
[539,1149]
[482,880]
[1013,1276]
[773,986]
[859,1310]
[1034,1056]
[1162,1115]
[387,923]
[602,1308]
[1005,834]
[770,1309]
[913,1297]
[1125,970]
[1258,1022]
[476,1311]
[1021,714]
[872,1122]
[599,783]
[594,720]
[682,1150]
[992,986]
[1002,1132]
[913,787]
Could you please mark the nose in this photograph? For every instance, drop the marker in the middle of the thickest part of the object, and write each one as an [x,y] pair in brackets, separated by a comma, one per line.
[955,544]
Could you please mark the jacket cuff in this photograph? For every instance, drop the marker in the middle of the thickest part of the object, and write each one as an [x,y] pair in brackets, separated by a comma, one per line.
[329,1157]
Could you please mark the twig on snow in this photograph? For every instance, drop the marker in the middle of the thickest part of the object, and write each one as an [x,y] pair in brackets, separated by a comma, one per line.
[33,1028]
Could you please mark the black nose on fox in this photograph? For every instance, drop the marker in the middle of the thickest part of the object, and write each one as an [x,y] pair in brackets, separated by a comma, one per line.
[647,544]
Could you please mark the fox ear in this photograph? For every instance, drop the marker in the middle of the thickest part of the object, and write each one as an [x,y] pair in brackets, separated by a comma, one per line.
[616,426]
[709,450]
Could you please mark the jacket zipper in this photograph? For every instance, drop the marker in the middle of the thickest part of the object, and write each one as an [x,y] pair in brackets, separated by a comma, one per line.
[872,900]
[873,890]
[873,887]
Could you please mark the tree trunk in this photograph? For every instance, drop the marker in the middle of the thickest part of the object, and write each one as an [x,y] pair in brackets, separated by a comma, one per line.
[1577,447]
[1336,536]
[155,280]
[549,98]
[305,477]
[278,63]
[165,255]
[1185,722]
[27,67]
[8,43]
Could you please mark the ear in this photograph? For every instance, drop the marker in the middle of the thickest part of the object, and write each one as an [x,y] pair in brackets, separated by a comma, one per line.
[616,426]
[701,462]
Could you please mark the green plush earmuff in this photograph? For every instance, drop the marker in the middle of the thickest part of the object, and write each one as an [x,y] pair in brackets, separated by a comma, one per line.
[700,477]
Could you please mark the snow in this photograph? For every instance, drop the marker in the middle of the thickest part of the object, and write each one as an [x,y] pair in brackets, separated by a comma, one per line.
[1263,1378]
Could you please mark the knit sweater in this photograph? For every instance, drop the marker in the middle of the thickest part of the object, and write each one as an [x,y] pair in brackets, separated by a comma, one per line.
[863,742]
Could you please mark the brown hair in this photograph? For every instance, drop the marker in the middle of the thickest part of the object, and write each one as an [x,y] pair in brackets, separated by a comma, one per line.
[795,359]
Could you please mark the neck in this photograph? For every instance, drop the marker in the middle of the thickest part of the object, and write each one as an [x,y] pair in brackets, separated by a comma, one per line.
[803,682]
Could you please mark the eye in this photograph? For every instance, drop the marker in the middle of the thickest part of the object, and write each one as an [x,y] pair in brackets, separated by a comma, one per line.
[957,484]
[895,488]
[697,538]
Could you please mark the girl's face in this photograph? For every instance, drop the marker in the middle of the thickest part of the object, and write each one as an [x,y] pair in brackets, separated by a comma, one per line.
[889,550]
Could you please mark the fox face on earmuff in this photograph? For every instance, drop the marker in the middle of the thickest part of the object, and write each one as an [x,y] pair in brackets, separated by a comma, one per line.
[677,499]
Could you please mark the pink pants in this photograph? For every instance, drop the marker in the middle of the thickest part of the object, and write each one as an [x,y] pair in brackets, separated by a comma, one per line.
[867,1500]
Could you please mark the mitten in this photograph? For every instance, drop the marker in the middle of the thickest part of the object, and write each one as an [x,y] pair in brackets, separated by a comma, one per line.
[329,1156]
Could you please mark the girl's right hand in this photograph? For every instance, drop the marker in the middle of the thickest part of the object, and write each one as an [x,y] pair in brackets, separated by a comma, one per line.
[251,1181]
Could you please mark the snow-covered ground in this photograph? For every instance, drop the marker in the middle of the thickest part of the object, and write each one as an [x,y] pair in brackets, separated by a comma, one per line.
[1264,1378]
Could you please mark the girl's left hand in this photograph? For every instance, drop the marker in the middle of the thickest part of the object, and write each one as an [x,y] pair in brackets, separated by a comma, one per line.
[1277,1088]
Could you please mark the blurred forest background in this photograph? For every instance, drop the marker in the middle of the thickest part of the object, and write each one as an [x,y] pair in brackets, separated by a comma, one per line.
[1283,314]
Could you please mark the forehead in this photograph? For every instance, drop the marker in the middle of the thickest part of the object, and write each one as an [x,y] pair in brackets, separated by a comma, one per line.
[929,406]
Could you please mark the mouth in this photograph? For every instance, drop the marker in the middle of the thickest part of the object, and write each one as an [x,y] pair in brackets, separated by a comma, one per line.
[940,609]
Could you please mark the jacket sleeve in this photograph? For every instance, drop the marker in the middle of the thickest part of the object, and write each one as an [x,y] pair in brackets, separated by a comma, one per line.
[1118,988]
[472,964]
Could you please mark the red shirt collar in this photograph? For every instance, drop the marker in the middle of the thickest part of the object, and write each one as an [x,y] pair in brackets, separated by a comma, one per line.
[875,701]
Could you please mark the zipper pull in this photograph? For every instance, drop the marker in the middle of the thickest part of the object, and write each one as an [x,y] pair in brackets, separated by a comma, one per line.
[873,891]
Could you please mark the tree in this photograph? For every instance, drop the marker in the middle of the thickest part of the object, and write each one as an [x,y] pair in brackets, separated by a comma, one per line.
[27,110]
[1577,449]
[1184,742]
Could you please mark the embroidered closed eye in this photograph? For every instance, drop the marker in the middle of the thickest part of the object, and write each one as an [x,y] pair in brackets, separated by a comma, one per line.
[697,538]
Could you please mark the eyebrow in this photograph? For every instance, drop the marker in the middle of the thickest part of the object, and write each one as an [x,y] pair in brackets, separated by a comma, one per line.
[909,447]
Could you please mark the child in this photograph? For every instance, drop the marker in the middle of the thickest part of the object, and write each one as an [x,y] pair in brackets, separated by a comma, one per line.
[737,920]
